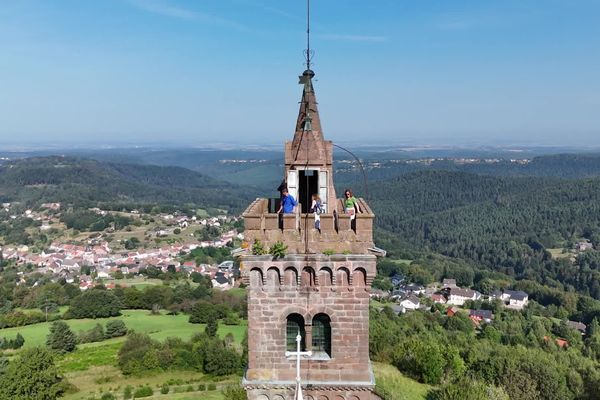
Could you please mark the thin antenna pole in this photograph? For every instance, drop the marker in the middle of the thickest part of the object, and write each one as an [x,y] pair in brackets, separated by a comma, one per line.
[307,34]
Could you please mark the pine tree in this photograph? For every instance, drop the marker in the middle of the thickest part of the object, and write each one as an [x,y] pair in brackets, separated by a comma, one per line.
[61,338]
[211,327]
[19,341]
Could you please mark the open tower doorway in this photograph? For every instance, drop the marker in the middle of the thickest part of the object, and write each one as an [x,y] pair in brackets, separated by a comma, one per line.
[308,184]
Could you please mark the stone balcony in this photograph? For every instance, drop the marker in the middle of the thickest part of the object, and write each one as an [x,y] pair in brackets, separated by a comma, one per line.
[338,234]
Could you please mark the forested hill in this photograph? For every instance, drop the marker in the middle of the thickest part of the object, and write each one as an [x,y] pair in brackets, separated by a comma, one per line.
[88,182]
[503,223]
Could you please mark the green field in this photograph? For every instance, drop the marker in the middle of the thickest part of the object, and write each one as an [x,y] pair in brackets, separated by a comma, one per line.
[158,327]
[92,368]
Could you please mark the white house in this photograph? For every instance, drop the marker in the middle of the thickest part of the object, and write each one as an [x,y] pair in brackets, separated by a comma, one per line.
[457,296]
[410,303]
[515,299]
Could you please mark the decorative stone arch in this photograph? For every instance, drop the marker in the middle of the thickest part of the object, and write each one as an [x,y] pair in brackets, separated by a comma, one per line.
[262,397]
[256,277]
[322,310]
[359,277]
[308,277]
[273,277]
[323,397]
[295,310]
[326,277]
[339,397]
[278,397]
[290,277]
[343,277]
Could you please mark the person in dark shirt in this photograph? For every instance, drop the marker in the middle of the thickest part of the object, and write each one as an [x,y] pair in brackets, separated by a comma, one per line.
[288,203]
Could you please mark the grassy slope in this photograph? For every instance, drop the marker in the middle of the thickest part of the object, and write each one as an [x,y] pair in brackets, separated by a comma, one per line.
[158,326]
[92,367]
[399,386]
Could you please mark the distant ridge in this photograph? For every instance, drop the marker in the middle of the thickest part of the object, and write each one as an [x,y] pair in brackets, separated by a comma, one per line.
[87,182]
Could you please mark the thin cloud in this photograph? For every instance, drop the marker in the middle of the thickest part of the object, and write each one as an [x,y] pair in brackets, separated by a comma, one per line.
[353,38]
[167,9]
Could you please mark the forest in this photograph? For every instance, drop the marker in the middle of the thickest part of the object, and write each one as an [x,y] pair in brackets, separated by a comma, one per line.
[504,224]
[89,183]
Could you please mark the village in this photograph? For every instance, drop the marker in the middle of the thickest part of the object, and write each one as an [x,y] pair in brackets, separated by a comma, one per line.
[94,260]
[449,298]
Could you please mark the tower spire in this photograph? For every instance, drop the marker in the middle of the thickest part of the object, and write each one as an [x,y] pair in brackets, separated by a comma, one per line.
[308,52]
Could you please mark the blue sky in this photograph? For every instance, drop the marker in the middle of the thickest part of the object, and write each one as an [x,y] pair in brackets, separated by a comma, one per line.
[194,72]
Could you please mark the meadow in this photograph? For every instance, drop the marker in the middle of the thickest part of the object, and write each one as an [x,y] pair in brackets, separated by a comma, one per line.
[158,327]
[92,368]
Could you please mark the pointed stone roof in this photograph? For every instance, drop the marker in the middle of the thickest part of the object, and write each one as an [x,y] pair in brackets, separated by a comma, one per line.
[309,144]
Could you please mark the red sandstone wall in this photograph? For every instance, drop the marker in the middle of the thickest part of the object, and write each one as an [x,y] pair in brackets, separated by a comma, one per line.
[339,289]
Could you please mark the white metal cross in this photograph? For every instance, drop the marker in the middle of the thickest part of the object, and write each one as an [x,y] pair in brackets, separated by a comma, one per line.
[298,354]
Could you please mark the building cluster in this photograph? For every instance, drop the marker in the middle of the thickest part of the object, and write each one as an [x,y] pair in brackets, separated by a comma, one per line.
[408,296]
[67,261]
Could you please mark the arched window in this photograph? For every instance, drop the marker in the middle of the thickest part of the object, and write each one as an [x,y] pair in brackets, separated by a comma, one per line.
[321,334]
[295,324]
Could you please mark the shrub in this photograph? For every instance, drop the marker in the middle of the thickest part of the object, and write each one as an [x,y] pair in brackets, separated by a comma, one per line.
[258,249]
[202,387]
[96,334]
[127,393]
[14,344]
[133,352]
[190,388]
[232,319]
[144,391]
[115,328]
[165,389]
[278,250]
[234,393]
[212,386]
[108,396]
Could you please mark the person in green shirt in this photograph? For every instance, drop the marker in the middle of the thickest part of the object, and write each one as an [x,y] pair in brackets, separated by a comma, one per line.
[351,206]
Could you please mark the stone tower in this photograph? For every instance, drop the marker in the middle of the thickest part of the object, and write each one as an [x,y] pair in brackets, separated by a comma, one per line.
[320,288]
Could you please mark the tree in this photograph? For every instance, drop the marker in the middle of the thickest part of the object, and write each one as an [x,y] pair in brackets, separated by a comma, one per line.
[219,360]
[95,303]
[32,376]
[61,338]
[212,327]
[19,341]
[202,313]
[131,354]
[115,328]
